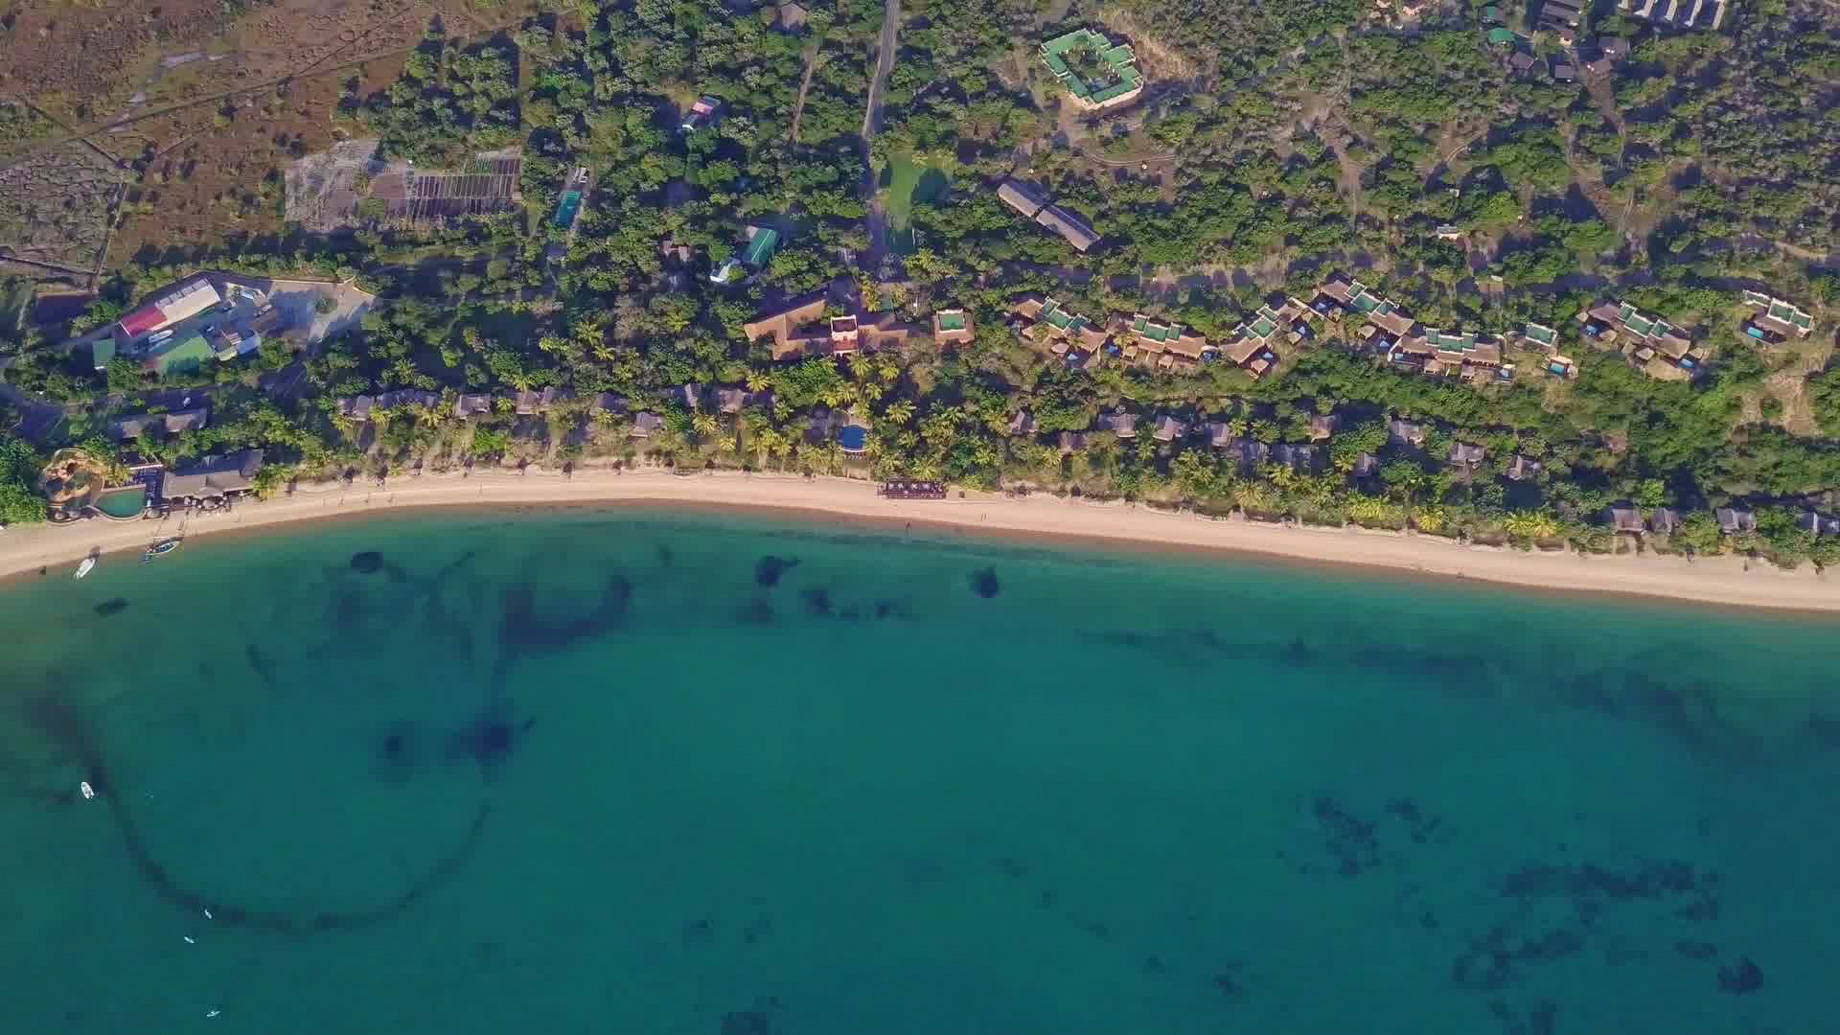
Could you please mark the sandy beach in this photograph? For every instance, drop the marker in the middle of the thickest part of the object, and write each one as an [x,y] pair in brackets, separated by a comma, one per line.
[1723,581]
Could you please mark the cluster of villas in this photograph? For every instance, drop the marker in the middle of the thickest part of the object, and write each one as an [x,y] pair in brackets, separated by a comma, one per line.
[1663,350]
[1365,319]
[821,426]
[1253,455]
[1141,340]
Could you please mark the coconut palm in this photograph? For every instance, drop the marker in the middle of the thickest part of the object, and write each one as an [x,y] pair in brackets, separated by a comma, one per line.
[899,412]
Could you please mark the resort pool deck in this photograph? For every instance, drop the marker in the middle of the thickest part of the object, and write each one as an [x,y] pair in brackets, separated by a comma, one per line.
[123,504]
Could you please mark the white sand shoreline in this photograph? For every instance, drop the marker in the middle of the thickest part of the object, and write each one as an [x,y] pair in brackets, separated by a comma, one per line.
[1722,581]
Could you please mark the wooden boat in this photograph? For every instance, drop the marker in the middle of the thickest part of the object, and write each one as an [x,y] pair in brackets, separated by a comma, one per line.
[162,548]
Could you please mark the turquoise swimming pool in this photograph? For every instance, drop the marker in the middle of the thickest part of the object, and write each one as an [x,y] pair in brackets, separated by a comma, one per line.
[565,212]
[123,503]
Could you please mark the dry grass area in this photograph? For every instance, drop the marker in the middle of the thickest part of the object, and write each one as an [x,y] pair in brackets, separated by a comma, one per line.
[54,206]
[72,59]
[90,66]
[1790,384]
[214,171]
[206,112]
[1155,58]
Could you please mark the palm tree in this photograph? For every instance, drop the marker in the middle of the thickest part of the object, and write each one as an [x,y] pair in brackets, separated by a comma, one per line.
[705,426]
[899,412]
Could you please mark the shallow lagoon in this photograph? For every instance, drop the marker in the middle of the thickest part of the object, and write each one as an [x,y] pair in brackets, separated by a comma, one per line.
[641,771]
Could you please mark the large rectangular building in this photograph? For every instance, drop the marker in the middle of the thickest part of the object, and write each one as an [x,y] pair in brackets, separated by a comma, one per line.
[189,298]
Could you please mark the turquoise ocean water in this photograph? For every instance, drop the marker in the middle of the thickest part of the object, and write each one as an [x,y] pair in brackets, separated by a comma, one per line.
[588,771]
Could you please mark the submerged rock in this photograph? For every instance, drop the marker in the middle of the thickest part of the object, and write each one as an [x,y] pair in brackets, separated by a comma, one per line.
[768,569]
[984,582]
[1741,977]
[367,562]
[747,1022]
[113,606]
[398,752]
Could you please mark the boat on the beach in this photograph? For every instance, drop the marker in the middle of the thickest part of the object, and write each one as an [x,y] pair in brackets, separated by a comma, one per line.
[88,565]
[161,548]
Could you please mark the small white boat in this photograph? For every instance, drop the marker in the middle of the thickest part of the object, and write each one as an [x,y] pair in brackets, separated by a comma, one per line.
[88,791]
[88,565]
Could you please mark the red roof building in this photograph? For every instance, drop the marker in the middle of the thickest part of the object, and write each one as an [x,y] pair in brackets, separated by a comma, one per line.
[139,322]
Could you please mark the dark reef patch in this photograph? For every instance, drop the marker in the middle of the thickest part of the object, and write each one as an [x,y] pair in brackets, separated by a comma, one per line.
[259,664]
[1350,840]
[1696,950]
[755,612]
[1741,976]
[1659,880]
[397,753]
[984,582]
[768,569]
[1227,982]
[746,1022]
[1543,1019]
[111,606]
[489,741]
[898,608]
[1420,825]
[817,601]
[522,631]
[367,562]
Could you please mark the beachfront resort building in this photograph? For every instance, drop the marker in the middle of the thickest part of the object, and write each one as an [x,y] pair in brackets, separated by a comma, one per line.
[212,481]
[1095,72]
[1775,321]
[797,329]
[1651,343]
[1031,204]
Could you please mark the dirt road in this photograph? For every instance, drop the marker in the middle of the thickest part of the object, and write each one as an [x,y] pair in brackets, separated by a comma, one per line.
[872,121]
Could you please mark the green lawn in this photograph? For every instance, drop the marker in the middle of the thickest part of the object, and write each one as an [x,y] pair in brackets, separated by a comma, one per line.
[907,180]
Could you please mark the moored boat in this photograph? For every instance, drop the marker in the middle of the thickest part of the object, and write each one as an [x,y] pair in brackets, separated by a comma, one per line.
[162,547]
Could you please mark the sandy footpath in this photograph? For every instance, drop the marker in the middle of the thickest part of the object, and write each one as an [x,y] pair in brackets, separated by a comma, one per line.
[1727,581]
